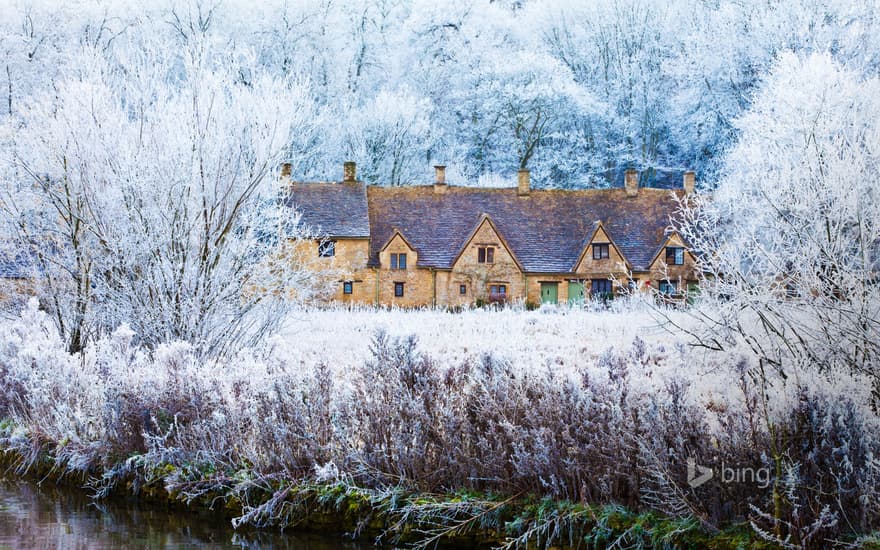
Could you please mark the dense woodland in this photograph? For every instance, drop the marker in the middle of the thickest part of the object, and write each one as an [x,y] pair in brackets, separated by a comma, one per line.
[575,91]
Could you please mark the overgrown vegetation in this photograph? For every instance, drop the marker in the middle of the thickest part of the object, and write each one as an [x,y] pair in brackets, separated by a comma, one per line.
[597,452]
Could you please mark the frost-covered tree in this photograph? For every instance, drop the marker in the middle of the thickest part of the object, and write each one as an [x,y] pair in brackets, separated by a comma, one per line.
[791,238]
[151,198]
[665,80]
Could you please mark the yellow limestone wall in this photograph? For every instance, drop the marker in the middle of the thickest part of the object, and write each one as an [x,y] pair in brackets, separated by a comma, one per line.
[349,264]
[613,267]
[422,285]
[683,273]
[417,283]
[479,277]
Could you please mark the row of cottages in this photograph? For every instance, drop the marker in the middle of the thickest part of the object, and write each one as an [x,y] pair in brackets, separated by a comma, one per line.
[447,245]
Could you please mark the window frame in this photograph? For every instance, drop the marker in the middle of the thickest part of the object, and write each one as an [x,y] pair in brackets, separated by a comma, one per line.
[498,292]
[667,288]
[399,290]
[398,260]
[676,253]
[607,288]
[603,250]
[485,254]
[347,288]
[326,249]
[462,289]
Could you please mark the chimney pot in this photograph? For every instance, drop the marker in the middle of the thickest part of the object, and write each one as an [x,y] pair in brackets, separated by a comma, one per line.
[349,172]
[439,179]
[631,182]
[285,173]
[523,182]
[690,181]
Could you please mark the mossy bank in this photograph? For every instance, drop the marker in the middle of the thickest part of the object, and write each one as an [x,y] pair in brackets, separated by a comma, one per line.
[394,516]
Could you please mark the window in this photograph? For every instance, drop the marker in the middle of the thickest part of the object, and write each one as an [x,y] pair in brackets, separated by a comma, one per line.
[668,287]
[497,293]
[327,249]
[462,289]
[600,251]
[486,255]
[347,287]
[398,261]
[398,290]
[674,255]
[600,287]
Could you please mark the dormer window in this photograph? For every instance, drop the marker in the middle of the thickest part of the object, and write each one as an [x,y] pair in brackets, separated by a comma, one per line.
[398,261]
[600,251]
[327,249]
[486,255]
[674,255]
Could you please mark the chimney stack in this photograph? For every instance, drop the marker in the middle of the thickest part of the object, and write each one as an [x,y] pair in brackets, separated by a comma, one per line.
[523,182]
[349,172]
[285,174]
[689,183]
[631,182]
[439,179]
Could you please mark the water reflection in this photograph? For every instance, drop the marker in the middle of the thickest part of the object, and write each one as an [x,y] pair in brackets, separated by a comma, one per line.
[34,516]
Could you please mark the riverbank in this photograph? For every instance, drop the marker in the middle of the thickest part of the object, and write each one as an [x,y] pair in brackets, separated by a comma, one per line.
[392,517]
[39,516]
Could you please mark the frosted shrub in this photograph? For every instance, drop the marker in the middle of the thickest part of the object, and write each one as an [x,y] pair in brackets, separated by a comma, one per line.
[612,426]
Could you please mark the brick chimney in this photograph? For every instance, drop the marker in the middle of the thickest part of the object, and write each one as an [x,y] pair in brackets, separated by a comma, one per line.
[523,182]
[285,175]
[690,182]
[349,172]
[439,179]
[631,182]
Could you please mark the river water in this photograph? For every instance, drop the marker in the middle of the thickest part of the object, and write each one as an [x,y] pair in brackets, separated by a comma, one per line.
[34,516]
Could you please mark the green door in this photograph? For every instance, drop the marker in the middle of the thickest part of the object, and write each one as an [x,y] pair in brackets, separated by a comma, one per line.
[549,293]
[575,292]
[693,291]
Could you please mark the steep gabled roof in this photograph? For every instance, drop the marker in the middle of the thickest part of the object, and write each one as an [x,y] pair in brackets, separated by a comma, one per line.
[545,230]
[667,236]
[597,225]
[334,209]
[485,219]
[397,233]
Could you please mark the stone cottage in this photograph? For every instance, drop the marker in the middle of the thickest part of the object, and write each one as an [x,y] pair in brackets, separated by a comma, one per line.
[448,245]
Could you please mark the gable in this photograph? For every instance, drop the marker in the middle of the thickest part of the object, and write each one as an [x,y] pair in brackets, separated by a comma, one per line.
[673,239]
[398,244]
[615,261]
[485,234]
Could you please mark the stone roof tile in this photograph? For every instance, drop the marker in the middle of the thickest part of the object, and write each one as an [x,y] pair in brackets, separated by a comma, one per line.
[546,230]
[333,209]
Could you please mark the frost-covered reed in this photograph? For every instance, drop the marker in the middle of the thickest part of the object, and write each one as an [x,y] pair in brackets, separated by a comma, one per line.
[591,407]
